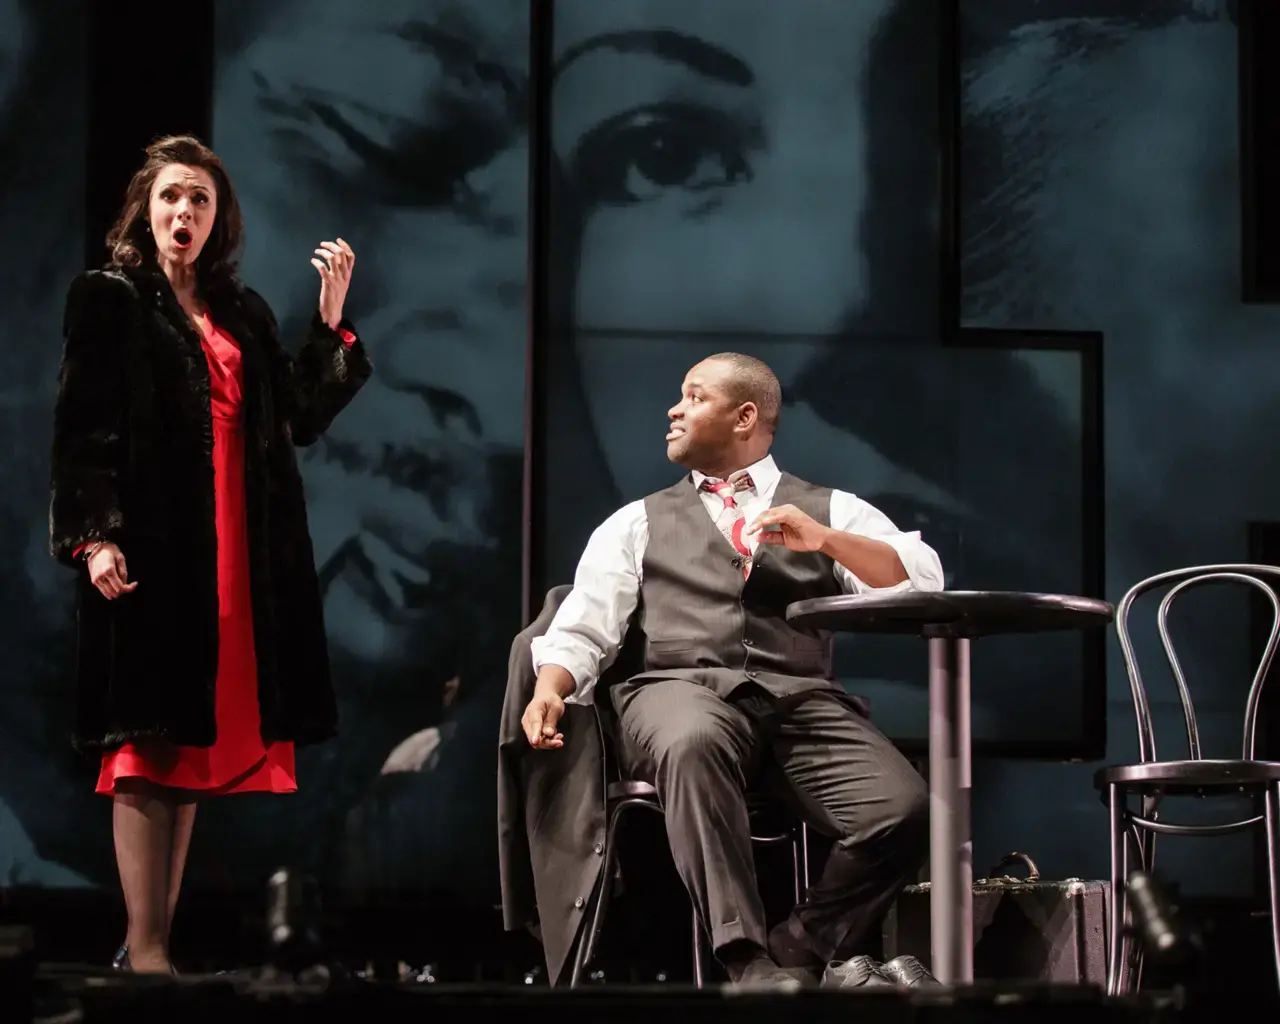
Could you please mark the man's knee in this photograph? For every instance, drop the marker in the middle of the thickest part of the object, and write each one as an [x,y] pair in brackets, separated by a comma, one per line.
[696,746]
[906,815]
[897,820]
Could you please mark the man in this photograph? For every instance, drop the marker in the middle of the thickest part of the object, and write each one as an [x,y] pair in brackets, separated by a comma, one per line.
[732,694]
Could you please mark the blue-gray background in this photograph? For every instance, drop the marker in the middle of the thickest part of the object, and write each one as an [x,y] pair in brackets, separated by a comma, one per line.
[1100,171]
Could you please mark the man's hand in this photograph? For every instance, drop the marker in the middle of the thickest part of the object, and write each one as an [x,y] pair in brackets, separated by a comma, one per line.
[541,718]
[793,529]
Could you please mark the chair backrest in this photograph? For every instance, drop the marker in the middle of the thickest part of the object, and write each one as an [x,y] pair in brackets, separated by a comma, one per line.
[1179,581]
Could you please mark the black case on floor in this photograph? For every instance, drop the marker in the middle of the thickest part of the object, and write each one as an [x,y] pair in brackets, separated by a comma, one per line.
[1023,928]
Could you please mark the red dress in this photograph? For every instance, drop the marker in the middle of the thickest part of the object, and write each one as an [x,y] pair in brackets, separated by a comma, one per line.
[238,762]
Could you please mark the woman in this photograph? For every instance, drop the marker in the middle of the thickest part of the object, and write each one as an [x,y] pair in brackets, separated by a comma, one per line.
[202,657]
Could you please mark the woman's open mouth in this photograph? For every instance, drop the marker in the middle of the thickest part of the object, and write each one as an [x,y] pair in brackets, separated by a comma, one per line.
[182,238]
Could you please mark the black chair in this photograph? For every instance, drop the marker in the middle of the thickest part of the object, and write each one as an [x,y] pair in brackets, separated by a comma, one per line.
[1134,831]
[625,795]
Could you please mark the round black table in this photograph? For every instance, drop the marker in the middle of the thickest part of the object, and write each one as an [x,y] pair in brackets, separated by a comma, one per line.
[949,619]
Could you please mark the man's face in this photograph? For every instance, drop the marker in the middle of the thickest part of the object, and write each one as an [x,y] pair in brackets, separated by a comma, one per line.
[704,421]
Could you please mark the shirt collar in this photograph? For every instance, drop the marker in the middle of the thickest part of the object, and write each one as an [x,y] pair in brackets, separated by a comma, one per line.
[764,474]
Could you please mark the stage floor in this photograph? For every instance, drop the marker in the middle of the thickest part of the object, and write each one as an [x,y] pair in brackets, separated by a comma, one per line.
[68,994]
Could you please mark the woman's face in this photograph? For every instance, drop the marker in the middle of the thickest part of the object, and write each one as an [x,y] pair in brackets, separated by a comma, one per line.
[182,211]
[415,153]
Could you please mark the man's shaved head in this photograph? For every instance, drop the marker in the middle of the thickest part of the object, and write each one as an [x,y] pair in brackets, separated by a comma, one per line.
[751,380]
[726,416]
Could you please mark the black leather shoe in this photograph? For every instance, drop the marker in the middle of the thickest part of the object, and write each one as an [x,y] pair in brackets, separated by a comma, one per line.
[909,972]
[789,948]
[858,972]
[121,960]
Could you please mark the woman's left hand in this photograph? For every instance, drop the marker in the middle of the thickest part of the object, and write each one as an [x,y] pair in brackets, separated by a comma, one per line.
[335,265]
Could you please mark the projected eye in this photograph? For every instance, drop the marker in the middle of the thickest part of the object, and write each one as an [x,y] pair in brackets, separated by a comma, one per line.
[643,154]
[343,143]
[421,166]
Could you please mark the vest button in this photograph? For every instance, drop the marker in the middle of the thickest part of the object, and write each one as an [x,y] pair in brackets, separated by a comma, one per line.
[737,563]
[578,902]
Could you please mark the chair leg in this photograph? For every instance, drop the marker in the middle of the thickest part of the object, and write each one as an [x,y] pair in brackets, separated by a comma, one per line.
[797,871]
[1139,843]
[1131,951]
[1116,903]
[699,970]
[804,858]
[1272,816]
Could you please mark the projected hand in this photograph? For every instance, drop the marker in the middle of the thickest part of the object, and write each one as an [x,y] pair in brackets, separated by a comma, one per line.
[334,266]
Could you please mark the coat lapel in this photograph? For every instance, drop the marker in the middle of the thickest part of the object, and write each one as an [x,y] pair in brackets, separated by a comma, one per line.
[159,298]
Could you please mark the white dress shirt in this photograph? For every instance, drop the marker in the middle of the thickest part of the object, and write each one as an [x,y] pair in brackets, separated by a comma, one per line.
[588,629]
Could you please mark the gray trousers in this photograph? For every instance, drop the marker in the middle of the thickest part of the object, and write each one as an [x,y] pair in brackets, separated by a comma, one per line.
[821,760]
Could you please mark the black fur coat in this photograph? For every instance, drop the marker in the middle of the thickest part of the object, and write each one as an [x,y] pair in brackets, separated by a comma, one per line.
[133,464]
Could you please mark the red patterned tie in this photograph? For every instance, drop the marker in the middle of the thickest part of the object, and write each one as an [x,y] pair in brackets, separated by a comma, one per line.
[732,519]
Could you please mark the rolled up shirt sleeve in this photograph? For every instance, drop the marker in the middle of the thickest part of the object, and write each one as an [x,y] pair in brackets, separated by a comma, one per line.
[853,515]
[588,629]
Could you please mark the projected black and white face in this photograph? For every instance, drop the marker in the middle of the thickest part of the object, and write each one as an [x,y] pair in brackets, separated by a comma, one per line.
[400,126]
[717,155]
[709,145]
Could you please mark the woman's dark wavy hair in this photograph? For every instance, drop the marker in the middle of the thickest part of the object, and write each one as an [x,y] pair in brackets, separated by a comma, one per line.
[130,241]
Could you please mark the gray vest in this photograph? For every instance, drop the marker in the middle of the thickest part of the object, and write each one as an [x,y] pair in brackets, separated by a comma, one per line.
[702,622]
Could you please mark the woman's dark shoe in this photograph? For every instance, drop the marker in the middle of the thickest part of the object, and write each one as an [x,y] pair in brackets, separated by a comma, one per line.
[120,962]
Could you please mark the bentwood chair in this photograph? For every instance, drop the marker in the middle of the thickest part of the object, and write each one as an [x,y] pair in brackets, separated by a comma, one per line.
[625,795]
[1134,831]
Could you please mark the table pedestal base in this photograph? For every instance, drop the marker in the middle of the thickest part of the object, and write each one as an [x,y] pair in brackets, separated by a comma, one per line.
[950,832]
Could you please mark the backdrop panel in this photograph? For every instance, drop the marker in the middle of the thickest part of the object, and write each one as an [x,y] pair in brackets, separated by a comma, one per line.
[1102,192]
[399,126]
[44,803]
